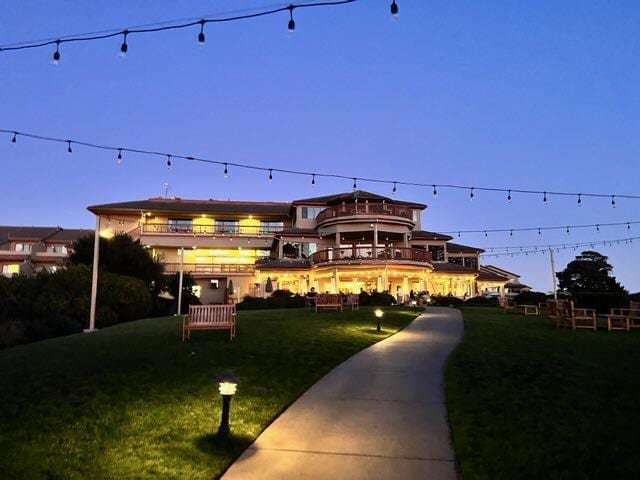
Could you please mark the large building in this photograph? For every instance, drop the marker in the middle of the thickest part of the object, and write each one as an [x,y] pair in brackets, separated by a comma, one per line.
[31,249]
[336,243]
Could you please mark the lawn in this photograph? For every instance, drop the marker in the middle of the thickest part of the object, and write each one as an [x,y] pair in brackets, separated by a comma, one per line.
[133,401]
[528,401]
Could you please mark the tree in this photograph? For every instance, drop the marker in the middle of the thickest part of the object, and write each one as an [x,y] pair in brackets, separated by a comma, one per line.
[589,272]
[123,255]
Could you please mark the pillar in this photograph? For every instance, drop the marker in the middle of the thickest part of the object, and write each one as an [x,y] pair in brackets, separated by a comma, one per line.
[94,277]
[375,240]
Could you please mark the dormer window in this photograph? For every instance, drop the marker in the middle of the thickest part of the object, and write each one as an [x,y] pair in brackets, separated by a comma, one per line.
[311,212]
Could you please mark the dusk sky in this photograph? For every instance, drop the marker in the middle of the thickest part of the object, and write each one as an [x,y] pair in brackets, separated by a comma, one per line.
[539,95]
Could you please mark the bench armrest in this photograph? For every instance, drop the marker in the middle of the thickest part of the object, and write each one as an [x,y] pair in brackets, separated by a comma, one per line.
[584,312]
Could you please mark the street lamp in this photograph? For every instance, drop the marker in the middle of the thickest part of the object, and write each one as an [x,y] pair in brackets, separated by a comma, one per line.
[378,313]
[227,386]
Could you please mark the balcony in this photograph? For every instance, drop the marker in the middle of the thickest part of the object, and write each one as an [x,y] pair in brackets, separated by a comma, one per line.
[372,255]
[171,229]
[209,268]
[370,210]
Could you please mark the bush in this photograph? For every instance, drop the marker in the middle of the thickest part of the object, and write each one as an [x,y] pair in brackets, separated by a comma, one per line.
[602,302]
[278,299]
[530,298]
[445,301]
[482,301]
[377,299]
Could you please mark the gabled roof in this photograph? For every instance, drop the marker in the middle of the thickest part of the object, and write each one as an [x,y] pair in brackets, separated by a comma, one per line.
[499,271]
[349,197]
[488,276]
[425,235]
[458,248]
[179,205]
[68,235]
[41,234]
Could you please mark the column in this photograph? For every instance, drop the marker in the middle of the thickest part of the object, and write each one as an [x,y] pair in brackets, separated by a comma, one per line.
[375,240]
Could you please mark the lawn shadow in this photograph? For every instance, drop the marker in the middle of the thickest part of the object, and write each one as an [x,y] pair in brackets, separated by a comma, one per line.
[212,445]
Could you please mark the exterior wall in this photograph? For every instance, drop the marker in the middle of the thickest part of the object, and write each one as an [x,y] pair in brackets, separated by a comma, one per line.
[455,284]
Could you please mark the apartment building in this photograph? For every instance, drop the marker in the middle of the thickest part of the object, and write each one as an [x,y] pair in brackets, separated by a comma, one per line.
[31,249]
[336,243]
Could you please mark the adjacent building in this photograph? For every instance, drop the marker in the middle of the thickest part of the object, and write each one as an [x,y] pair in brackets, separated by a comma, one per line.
[31,249]
[337,243]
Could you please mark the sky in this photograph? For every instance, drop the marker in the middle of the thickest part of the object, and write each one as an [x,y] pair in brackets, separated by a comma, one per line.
[541,95]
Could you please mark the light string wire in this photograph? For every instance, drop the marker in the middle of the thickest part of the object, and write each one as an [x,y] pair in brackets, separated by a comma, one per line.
[166,26]
[487,231]
[313,175]
[521,250]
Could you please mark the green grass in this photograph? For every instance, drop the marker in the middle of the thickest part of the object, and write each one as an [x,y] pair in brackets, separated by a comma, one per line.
[528,401]
[133,401]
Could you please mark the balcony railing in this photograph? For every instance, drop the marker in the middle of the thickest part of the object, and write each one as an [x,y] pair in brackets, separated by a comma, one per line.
[370,254]
[209,268]
[165,228]
[378,209]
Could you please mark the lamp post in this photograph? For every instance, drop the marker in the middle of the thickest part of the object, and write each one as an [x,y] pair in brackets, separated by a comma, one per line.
[378,313]
[227,386]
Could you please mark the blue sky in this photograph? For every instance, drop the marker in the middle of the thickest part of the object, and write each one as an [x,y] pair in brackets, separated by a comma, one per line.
[516,94]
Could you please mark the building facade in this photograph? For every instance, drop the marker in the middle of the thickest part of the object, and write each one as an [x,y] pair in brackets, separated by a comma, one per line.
[337,243]
[31,249]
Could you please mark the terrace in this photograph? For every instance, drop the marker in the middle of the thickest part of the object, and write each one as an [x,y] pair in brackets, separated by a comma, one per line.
[368,254]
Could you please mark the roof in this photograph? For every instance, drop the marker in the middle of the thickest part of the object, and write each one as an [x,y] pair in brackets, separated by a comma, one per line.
[453,268]
[269,264]
[38,234]
[499,271]
[516,284]
[487,276]
[180,205]
[458,248]
[349,197]
[424,235]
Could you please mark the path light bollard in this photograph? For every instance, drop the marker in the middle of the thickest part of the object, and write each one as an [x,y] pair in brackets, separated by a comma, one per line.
[227,386]
[378,313]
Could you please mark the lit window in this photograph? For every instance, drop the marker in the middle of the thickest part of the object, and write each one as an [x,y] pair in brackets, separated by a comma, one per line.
[227,226]
[271,227]
[11,269]
[180,225]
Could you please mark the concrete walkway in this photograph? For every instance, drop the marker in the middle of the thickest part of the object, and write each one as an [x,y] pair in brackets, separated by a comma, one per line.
[379,415]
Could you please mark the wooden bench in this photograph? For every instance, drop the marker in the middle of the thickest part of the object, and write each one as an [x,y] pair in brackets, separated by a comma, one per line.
[577,317]
[555,311]
[529,309]
[209,317]
[326,301]
[632,314]
[353,301]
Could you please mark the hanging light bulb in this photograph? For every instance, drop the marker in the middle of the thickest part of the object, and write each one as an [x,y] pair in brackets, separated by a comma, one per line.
[597,228]
[394,9]
[458,234]
[579,199]
[544,198]
[168,161]
[69,146]
[292,23]
[201,34]
[119,156]
[355,185]
[628,226]
[471,194]
[394,188]
[567,230]
[435,192]
[485,233]
[509,197]
[226,171]
[539,231]
[124,47]
[270,175]
[56,55]
[313,179]
[613,201]
[14,139]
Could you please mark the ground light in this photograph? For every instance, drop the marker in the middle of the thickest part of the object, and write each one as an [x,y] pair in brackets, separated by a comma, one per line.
[378,313]
[227,386]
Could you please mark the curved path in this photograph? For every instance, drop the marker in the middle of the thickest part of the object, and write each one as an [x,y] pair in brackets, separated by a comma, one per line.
[380,414]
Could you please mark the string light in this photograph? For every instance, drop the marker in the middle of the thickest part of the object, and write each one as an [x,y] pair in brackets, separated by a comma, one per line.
[540,228]
[313,179]
[56,55]
[509,196]
[292,23]
[14,139]
[526,249]
[394,9]
[270,175]
[226,170]
[391,182]
[355,185]
[168,161]
[201,34]
[124,48]
[394,188]
[119,156]
[471,194]
[579,199]
[69,146]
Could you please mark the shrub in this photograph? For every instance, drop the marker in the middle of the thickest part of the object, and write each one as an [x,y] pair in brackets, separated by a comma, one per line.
[602,302]
[481,301]
[278,299]
[445,301]
[530,298]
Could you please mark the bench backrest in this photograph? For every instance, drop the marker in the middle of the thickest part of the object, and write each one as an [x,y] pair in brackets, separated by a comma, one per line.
[211,314]
[329,299]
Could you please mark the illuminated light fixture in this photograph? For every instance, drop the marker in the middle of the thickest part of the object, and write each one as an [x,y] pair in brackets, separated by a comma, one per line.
[579,199]
[597,228]
[355,185]
[313,179]
[471,195]
[14,139]
[119,156]
[124,48]
[168,161]
[227,387]
[201,34]
[69,150]
[292,23]
[56,55]
[613,201]
[539,232]
[544,197]
[509,196]
[378,313]
[395,11]
[270,175]
[628,226]
[435,192]
[226,170]
[394,188]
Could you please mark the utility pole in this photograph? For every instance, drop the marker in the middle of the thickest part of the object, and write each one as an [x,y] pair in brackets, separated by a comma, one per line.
[94,277]
[180,281]
[553,274]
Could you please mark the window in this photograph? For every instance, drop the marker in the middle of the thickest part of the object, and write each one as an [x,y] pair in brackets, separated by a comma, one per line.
[23,247]
[215,283]
[415,214]
[311,212]
[180,225]
[437,253]
[456,260]
[11,269]
[227,226]
[59,249]
[271,227]
[309,249]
